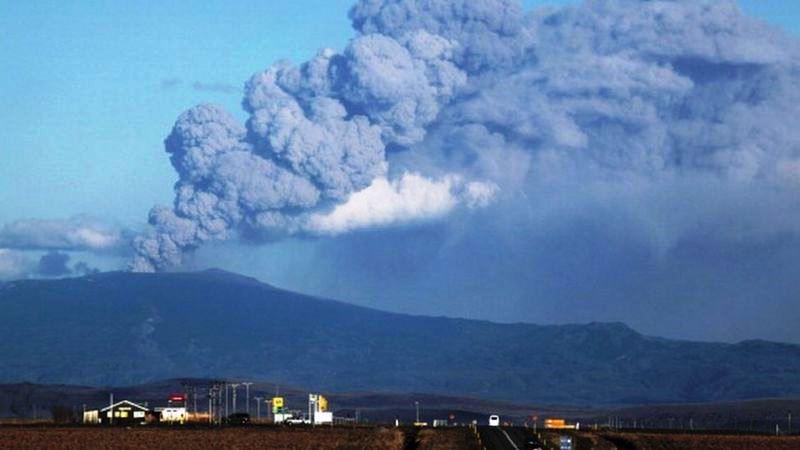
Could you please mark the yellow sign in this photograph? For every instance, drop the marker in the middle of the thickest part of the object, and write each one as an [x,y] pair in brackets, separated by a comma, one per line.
[323,403]
[277,404]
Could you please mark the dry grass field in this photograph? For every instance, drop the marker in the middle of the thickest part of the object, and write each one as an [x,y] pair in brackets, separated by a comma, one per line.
[446,439]
[12,437]
[701,442]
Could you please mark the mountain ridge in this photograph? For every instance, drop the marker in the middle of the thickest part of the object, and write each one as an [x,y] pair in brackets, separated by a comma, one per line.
[219,324]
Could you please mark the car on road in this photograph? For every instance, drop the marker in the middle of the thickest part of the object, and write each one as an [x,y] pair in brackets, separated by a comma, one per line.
[494,420]
[239,419]
[297,421]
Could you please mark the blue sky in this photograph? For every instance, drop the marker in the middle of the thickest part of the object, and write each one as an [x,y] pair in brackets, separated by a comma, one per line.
[88,105]
[88,97]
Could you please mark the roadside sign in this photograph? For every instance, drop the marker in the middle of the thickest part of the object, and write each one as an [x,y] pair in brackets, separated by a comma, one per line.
[277,405]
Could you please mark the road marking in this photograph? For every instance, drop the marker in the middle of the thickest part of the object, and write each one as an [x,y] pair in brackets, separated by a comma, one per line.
[509,439]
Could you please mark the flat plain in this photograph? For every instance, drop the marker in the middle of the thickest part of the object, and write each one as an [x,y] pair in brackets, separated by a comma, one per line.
[368,438]
[361,437]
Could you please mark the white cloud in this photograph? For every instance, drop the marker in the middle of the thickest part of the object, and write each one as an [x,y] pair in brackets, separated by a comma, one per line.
[478,194]
[14,264]
[409,198]
[78,233]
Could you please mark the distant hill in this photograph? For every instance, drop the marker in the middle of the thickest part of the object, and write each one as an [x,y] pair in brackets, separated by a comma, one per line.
[125,329]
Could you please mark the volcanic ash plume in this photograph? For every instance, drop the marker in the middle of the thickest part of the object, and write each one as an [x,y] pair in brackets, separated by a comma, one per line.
[437,105]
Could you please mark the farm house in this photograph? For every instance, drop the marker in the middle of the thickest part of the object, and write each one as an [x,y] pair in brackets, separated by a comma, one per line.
[124,412]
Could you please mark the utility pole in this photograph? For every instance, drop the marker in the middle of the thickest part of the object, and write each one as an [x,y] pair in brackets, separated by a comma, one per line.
[210,396]
[226,400]
[258,406]
[234,386]
[789,429]
[185,386]
[218,400]
[247,394]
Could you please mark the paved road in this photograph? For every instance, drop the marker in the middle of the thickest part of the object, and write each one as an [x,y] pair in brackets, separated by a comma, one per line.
[504,438]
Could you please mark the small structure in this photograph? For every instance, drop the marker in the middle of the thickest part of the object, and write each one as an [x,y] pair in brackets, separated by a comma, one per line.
[173,415]
[323,418]
[318,410]
[558,424]
[176,412]
[91,417]
[124,412]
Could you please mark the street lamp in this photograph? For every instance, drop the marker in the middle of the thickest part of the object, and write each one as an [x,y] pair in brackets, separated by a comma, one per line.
[234,386]
[258,406]
[247,390]
[227,388]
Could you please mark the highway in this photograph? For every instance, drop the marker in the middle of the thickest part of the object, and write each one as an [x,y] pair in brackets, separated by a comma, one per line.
[504,438]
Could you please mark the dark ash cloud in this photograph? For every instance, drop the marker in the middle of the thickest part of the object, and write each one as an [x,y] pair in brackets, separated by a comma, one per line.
[54,264]
[83,268]
[16,265]
[633,98]
[317,133]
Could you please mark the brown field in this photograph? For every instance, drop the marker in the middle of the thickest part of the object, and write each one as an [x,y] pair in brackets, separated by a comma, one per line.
[446,439]
[13,437]
[701,442]
[591,441]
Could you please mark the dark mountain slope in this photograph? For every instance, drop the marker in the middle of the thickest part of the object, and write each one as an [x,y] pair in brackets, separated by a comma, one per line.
[125,328]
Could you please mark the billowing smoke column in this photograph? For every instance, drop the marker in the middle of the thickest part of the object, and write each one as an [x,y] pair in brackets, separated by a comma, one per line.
[456,102]
[316,134]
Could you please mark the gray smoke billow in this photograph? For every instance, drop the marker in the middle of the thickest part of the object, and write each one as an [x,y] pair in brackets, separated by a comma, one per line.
[675,114]
[54,264]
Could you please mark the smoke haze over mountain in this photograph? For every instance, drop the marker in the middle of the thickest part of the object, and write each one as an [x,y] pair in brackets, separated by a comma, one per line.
[550,154]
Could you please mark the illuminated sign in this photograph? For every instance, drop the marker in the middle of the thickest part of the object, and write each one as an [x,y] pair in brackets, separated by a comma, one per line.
[277,404]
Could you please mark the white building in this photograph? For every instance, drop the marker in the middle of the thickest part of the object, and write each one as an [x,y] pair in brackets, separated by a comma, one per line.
[91,417]
[318,410]
[323,418]
[120,413]
[173,414]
